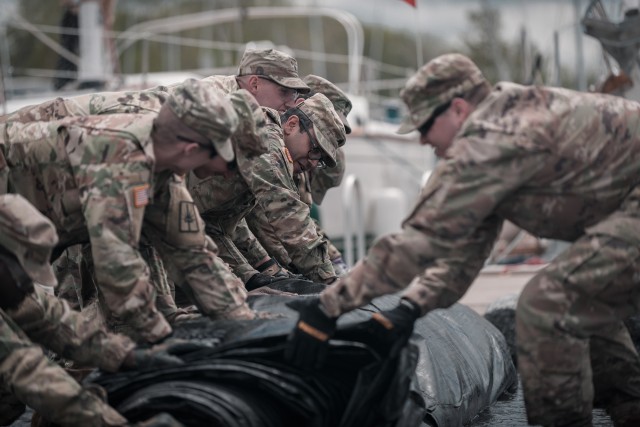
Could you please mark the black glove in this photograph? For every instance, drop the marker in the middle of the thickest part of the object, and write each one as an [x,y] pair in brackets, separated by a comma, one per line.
[259,280]
[308,343]
[272,268]
[16,283]
[387,332]
[149,358]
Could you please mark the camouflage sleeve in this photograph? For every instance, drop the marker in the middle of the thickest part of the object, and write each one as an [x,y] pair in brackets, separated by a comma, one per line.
[55,109]
[270,179]
[113,198]
[266,235]
[453,224]
[248,244]
[176,230]
[50,321]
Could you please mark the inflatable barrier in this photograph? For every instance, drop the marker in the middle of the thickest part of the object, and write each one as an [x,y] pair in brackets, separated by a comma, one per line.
[456,365]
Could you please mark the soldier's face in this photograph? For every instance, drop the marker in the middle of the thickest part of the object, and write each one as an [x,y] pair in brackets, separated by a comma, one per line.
[299,145]
[272,95]
[444,129]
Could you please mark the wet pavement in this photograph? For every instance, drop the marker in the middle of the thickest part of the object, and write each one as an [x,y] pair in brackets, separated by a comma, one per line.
[510,413]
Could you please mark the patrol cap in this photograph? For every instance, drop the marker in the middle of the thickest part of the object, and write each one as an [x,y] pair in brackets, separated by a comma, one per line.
[206,111]
[338,98]
[326,124]
[436,83]
[274,65]
[251,133]
[28,235]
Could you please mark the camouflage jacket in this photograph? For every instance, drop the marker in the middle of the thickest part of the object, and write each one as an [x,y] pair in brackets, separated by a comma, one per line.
[94,103]
[553,161]
[268,181]
[93,177]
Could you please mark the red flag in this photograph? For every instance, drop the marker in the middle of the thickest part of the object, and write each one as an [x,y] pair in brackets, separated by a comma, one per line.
[411,2]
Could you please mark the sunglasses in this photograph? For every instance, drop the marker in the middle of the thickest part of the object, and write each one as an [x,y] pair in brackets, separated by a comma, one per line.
[426,126]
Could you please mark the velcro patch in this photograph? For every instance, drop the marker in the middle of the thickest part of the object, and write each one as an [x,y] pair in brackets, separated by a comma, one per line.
[188,218]
[286,152]
[141,196]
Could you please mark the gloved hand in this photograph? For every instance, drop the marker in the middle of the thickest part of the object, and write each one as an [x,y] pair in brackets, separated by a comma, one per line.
[272,268]
[388,331]
[162,355]
[339,266]
[308,343]
[259,280]
[149,358]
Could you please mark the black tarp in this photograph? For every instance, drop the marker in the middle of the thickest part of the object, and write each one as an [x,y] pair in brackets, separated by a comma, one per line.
[456,365]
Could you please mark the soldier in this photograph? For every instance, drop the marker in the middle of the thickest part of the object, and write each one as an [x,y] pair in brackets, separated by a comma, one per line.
[27,313]
[558,163]
[75,264]
[309,134]
[313,184]
[100,178]
[272,78]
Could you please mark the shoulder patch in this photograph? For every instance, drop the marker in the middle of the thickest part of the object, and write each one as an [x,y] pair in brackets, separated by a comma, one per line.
[188,218]
[141,196]
[288,154]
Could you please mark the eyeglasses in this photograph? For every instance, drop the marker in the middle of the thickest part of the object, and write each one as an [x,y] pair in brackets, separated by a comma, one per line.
[286,93]
[316,152]
[424,129]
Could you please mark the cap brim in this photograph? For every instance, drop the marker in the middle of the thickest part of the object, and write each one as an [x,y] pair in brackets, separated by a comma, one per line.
[406,126]
[345,122]
[40,273]
[225,150]
[292,83]
[329,158]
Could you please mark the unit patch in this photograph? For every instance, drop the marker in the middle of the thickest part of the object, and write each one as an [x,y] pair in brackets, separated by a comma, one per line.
[188,218]
[286,152]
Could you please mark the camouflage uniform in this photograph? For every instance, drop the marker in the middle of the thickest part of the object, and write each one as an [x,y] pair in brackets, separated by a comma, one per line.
[224,200]
[312,185]
[560,164]
[95,182]
[267,181]
[69,266]
[24,370]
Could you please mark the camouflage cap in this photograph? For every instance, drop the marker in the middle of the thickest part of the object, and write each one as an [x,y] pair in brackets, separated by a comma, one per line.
[274,65]
[436,83]
[326,124]
[338,98]
[206,111]
[251,133]
[28,235]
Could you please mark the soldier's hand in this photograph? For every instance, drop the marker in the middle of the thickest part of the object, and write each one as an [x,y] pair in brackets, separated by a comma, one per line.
[158,356]
[308,343]
[259,280]
[386,332]
[339,266]
[272,268]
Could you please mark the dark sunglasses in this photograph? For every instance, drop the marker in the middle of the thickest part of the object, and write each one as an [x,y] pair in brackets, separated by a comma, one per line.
[426,126]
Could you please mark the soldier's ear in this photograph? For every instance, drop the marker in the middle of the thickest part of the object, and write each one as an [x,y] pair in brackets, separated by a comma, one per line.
[290,125]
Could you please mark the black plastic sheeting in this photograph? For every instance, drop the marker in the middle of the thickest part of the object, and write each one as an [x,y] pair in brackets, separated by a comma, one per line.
[456,365]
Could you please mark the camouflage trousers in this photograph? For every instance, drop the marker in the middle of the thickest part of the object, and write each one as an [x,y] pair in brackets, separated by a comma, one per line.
[26,373]
[572,345]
